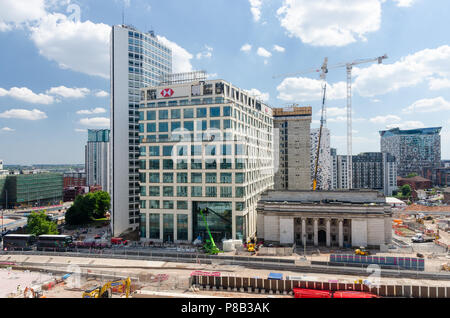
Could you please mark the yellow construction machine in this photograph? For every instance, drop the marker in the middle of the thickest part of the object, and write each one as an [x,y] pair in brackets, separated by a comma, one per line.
[106,290]
[251,245]
[362,251]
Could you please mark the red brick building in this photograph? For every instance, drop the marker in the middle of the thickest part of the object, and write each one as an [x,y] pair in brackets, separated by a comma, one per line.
[74,179]
[416,183]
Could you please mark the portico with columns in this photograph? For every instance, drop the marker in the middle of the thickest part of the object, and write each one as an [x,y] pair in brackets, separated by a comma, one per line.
[324,218]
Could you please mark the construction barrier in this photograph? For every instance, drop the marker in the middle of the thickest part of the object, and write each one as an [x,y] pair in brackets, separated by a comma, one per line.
[410,263]
[267,286]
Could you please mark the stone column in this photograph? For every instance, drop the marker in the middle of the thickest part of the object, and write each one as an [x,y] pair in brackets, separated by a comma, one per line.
[304,231]
[328,232]
[341,233]
[316,232]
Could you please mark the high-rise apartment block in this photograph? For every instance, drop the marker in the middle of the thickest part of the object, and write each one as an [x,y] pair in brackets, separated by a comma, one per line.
[292,125]
[204,144]
[137,60]
[324,171]
[97,159]
[413,149]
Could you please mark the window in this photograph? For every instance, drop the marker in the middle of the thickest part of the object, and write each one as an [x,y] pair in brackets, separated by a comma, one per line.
[151,115]
[154,204]
[182,177]
[142,151]
[163,114]
[211,178]
[240,164]
[154,150]
[143,191]
[240,150]
[196,164]
[141,116]
[182,164]
[153,164]
[182,205]
[175,113]
[154,177]
[175,125]
[196,191]
[151,127]
[214,124]
[182,191]
[173,103]
[210,150]
[168,177]
[214,112]
[167,151]
[168,205]
[225,178]
[226,124]
[168,164]
[226,150]
[188,113]
[207,101]
[189,125]
[196,178]
[154,225]
[163,127]
[168,191]
[226,111]
[141,127]
[182,226]
[211,164]
[142,164]
[240,206]
[211,192]
[240,177]
[240,192]
[226,192]
[201,112]
[207,89]
[226,164]
[154,191]
[196,150]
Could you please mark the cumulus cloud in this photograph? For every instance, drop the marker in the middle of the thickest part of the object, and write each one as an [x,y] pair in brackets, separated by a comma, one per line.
[330,23]
[263,52]
[409,71]
[404,3]
[206,53]
[34,114]
[304,89]
[279,48]
[80,130]
[67,92]
[97,110]
[75,45]
[15,13]
[27,95]
[407,125]
[438,83]
[246,48]
[181,58]
[255,8]
[385,119]
[258,94]
[7,129]
[428,105]
[101,94]
[95,122]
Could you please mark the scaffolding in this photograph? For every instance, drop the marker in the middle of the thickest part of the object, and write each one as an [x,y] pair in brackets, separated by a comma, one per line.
[180,78]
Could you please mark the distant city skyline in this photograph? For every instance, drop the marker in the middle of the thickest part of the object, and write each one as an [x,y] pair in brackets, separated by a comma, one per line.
[58,81]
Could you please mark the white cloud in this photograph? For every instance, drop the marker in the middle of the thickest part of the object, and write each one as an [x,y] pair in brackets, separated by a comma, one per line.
[97,110]
[409,71]
[335,111]
[304,89]
[255,92]
[279,48]
[27,95]
[404,3]
[101,94]
[207,53]
[67,92]
[330,23]
[246,48]
[34,114]
[181,58]
[15,13]
[255,8]
[95,122]
[7,129]
[385,119]
[79,46]
[438,83]
[428,105]
[407,125]
[80,130]
[343,119]
[263,52]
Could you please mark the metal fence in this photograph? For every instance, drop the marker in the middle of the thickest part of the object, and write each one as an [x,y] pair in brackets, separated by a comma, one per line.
[410,263]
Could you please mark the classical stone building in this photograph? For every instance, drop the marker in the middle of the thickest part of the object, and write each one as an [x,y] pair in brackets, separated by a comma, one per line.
[327,218]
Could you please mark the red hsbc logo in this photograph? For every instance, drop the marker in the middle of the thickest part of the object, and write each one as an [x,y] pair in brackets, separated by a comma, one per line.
[168,92]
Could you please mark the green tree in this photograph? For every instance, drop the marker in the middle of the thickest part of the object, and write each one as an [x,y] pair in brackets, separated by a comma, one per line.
[406,190]
[86,208]
[41,224]
[412,175]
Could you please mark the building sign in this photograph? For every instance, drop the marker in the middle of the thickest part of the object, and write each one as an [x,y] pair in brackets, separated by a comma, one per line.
[167,92]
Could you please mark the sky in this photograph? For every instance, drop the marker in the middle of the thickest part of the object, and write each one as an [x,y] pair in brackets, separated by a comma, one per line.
[54,64]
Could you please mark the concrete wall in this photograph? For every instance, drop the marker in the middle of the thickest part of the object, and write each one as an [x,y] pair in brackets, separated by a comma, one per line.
[375,231]
[272,228]
[359,232]
[286,230]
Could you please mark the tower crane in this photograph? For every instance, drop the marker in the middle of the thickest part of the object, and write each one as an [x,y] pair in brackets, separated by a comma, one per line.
[349,68]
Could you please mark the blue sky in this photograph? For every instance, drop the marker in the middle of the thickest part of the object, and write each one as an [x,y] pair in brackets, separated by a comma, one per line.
[54,63]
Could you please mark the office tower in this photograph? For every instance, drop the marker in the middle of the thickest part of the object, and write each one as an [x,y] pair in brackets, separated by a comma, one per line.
[413,149]
[137,60]
[334,168]
[204,144]
[97,159]
[292,125]
[324,171]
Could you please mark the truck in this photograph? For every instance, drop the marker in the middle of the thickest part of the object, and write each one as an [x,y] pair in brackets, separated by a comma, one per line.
[421,238]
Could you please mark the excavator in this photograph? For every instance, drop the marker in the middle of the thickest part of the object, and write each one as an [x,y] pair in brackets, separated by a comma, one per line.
[105,291]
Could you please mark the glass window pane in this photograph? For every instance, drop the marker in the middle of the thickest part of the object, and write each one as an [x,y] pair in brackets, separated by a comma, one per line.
[168,191]
[182,205]
[151,115]
[182,191]
[214,112]
[211,178]
[168,177]
[154,226]
[154,177]
[154,204]
[182,227]
[163,114]
[154,191]
[188,113]
[196,191]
